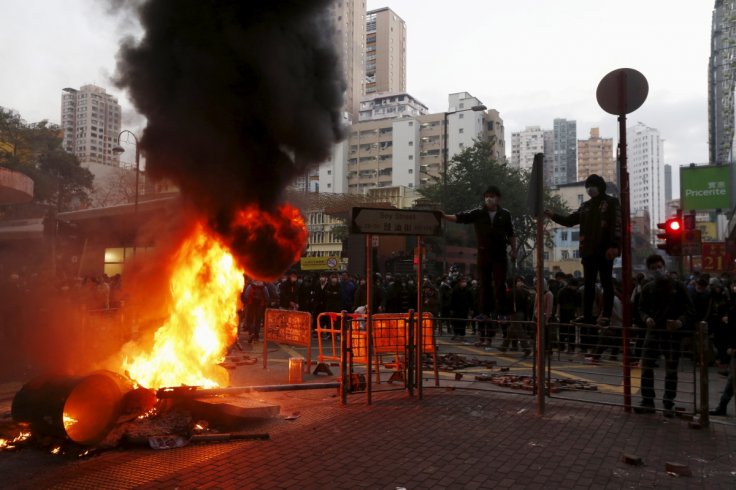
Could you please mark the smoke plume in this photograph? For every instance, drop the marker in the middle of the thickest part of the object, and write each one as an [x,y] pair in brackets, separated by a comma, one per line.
[240,98]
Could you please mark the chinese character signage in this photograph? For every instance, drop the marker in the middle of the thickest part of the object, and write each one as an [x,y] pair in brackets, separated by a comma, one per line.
[705,187]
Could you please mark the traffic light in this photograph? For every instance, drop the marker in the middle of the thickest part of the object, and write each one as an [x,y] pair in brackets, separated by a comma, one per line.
[672,236]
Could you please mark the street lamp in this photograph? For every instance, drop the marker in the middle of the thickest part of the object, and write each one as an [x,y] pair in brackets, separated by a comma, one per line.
[119,149]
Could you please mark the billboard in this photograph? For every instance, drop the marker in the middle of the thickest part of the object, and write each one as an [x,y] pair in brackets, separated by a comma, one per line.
[705,187]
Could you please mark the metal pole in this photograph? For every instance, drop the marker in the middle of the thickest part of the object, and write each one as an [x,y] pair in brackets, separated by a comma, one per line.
[540,313]
[419,316]
[137,174]
[196,392]
[445,151]
[369,318]
[625,240]
[704,387]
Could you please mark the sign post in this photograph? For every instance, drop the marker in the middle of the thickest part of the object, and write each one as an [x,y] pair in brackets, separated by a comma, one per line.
[383,221]
[619,93]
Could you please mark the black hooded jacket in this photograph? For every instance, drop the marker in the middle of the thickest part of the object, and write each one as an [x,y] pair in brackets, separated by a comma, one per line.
[599,219]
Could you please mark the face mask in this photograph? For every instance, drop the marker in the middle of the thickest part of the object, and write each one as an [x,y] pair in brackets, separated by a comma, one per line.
[490,201]
[658,274]
[592,191]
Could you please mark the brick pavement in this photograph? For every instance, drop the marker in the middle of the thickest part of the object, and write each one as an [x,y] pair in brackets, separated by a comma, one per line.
[451,439]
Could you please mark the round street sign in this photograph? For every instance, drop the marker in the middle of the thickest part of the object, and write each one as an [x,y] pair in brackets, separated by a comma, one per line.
[622,91]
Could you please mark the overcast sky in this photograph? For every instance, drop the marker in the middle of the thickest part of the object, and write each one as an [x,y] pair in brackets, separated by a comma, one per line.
[532,60]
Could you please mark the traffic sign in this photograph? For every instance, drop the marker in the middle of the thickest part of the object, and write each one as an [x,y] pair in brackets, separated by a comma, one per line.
[622,91]
[382,221]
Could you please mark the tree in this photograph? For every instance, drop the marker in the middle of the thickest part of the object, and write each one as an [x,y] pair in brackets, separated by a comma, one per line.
[60,182]
[468,175]
[116,187]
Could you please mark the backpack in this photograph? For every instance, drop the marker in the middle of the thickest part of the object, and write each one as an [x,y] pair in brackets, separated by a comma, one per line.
[257,296]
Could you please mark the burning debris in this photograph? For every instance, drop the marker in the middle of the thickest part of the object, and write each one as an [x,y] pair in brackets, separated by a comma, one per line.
[240,99]
[81,415]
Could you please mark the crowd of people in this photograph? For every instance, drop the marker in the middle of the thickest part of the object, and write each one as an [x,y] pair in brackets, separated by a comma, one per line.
[665,312]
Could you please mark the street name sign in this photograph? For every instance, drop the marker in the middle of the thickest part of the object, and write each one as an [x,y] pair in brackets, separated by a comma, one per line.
[382,221]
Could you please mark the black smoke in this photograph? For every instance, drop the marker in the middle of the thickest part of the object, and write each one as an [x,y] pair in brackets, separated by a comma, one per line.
[240,97]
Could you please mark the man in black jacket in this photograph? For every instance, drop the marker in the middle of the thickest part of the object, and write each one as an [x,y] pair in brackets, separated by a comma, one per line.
[494,231]
[667,312]
[600,242]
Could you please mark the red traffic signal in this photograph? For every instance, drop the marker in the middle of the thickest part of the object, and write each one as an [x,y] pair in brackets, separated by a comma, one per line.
[672,236]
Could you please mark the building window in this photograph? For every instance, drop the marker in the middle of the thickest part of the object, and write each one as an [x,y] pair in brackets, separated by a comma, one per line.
[461,130]
[411,143]
[563,236]
[411,170]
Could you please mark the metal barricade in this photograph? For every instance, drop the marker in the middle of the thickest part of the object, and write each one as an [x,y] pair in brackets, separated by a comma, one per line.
[583,362]
[586,364]
[390,336]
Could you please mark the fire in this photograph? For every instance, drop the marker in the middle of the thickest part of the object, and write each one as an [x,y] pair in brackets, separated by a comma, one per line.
[187,348]
[267,243]
[11,443]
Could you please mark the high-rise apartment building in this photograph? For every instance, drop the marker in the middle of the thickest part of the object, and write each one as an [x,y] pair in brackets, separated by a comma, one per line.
[385,52]
[90,119]
[398,144]
[646,172]
[721,86]
[525,144]
[349,18]
[564,158]
[595,156]
[667,183]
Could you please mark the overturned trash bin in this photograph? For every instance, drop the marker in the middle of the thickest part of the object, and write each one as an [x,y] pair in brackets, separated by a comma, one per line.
[82,408]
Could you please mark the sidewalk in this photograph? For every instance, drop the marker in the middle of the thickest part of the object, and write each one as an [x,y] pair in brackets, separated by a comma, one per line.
[450,439]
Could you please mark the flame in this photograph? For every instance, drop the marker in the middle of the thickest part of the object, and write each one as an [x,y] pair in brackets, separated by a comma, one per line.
[11,443]
[204,285]
[267,243]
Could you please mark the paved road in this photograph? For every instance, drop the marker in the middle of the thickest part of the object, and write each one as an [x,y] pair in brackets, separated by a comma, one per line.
[452,438]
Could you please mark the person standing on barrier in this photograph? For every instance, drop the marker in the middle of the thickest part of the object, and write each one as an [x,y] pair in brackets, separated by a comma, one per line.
[727,394]
[494,232]
[667,311]
[600,242]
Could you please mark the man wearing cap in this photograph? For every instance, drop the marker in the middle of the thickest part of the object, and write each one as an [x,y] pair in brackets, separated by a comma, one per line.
[494,231]
[600,242]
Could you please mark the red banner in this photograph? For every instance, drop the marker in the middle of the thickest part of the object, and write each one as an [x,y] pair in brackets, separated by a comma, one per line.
[715,258]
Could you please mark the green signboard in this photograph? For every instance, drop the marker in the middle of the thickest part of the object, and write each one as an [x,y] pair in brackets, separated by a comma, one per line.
[705,187]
